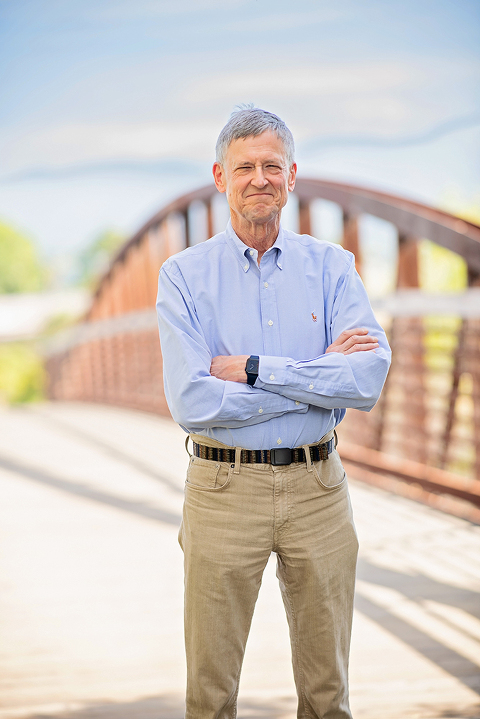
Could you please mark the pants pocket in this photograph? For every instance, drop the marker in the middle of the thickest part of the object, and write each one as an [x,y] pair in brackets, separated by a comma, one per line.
[329,473]
[203,474]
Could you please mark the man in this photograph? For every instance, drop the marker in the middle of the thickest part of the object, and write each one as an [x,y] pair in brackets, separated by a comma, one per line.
[266,340]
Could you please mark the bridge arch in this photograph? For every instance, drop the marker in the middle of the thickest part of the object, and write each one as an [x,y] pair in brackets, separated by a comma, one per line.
[114,355]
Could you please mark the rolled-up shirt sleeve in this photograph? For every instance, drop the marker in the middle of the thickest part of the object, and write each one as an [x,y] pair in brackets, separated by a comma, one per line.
[196,399]
[335,380]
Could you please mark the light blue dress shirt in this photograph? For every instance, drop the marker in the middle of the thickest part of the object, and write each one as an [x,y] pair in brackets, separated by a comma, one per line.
[214,299]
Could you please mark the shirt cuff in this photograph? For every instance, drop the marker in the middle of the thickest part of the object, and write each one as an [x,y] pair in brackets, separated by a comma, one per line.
[271,370]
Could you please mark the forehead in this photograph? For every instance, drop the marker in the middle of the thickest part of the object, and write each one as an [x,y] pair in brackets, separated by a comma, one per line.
[252,149]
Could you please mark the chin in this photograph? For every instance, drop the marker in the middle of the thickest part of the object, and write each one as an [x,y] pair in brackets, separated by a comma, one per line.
[263,215]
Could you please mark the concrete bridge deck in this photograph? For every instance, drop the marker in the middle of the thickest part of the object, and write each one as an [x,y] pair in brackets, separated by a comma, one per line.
[91,584]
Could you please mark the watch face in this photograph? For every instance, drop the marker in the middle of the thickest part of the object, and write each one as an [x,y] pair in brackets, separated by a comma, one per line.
[252,365]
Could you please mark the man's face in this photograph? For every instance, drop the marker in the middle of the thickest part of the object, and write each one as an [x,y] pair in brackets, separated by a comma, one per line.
[256,177]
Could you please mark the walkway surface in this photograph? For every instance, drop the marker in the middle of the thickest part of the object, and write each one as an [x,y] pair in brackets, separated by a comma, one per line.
[91,584]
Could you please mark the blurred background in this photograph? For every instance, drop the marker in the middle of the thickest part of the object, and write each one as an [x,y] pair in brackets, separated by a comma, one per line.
[109,115]
[111,109]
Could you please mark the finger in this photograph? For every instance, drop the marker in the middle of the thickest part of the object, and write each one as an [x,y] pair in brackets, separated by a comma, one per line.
[358,339]
[362,348]
[347,334]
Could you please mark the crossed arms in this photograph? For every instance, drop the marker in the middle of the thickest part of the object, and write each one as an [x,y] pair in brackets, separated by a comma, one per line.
[205,392]
[232,368]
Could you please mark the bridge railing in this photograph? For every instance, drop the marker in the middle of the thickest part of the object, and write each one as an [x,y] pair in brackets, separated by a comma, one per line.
[429,412]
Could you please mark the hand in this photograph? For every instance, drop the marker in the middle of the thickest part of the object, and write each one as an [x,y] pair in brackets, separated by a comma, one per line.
[355,340]
[229,368]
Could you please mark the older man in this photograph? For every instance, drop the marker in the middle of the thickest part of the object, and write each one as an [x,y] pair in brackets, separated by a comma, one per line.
[267,336]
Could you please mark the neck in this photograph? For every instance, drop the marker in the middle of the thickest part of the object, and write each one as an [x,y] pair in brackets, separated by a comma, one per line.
[259,236]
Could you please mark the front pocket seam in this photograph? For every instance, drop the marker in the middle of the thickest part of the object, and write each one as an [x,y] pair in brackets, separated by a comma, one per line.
[326,486]
[200,488]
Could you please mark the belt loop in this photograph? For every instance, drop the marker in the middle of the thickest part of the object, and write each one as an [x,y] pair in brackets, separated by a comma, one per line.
[238,457]
[308,458]
[336,438]
[186,446]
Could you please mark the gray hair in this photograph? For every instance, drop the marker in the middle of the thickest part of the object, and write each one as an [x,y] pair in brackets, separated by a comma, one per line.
[250,121]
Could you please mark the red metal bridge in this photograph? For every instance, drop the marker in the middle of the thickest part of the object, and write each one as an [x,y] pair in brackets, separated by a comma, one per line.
[423,437]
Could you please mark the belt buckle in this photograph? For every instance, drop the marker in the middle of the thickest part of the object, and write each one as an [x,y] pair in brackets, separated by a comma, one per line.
[280,456]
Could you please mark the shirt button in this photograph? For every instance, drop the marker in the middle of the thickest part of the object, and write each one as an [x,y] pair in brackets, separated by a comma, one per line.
[297,402]
[270,322]
[245,267]
[310,386]
[260,411]
[272,376]
[279,441]
[251,252]
[265,284]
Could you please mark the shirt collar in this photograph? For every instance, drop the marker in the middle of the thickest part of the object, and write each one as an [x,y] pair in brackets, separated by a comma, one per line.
[240,249]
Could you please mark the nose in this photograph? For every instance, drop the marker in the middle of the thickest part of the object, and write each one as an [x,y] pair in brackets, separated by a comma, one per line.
[258,179]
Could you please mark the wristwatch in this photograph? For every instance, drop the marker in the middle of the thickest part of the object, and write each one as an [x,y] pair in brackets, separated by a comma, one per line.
[251,368]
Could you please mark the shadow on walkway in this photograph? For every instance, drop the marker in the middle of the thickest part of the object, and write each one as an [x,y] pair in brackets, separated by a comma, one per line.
[172,707]
[109,449]
[86,492]
[417,588]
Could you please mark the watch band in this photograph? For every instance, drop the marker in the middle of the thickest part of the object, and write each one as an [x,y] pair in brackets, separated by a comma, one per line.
[251,369]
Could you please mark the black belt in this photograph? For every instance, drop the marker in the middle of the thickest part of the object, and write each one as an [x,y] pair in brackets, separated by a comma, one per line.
[277,456]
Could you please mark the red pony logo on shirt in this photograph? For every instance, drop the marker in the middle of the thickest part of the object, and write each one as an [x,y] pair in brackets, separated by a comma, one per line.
[314,317]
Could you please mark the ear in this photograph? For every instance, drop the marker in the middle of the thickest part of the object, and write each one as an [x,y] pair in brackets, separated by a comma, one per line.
[219,177]
[292,174]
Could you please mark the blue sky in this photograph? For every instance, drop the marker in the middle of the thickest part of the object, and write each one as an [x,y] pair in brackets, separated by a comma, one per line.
[108,109]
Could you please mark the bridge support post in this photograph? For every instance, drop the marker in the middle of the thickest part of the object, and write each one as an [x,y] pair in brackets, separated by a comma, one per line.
[407,273]
[350,239]
[187,228]
[210,228]
[304,220]
[473,278]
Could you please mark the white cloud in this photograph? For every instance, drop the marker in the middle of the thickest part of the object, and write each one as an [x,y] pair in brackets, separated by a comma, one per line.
[68,144]
[300,82]
[387,99]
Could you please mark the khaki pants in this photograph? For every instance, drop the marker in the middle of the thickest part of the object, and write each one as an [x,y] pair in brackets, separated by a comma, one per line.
[234,516]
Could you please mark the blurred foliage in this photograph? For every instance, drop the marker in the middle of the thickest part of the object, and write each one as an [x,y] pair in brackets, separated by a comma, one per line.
[440,269]
[59,322]
[469,210]
[20,268]
[22,374]
[440,342]
[95,259]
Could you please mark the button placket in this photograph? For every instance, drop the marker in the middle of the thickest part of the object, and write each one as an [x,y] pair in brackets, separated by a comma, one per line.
[268,306]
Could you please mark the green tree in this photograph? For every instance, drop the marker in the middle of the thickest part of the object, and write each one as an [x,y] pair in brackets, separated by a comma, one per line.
[440,269]
[20,267]
[95,258]
[22,375]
